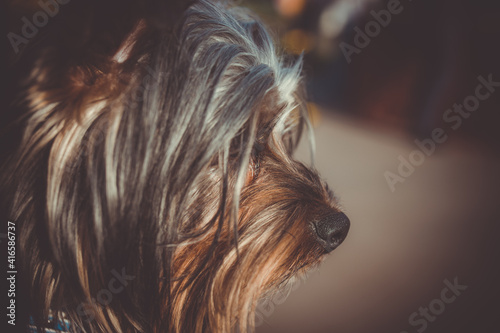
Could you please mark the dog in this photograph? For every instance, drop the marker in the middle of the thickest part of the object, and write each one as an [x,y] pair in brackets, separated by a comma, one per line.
[153,186]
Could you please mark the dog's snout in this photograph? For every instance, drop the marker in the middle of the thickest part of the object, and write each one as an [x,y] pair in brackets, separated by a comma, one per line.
[332,230]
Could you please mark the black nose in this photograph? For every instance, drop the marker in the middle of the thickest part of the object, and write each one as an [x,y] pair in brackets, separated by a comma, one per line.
[332,230]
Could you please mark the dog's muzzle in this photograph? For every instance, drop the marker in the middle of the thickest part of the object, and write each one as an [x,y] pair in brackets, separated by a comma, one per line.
[332,230]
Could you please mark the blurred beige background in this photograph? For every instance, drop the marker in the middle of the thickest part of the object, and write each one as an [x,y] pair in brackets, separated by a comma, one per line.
[441,223]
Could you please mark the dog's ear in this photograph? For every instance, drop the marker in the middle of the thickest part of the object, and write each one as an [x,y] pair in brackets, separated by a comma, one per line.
[74,54]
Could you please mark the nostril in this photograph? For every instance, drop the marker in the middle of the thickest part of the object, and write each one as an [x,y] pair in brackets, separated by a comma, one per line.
[332,230]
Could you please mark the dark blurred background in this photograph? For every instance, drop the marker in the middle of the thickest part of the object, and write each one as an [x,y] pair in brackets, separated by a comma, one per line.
[371,97]
[423,60]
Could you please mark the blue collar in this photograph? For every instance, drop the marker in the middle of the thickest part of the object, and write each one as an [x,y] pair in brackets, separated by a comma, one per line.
[52,326]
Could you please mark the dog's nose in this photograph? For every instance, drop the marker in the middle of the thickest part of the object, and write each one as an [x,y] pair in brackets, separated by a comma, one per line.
[332,230]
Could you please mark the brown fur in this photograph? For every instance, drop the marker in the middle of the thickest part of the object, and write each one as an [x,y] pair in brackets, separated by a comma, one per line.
[102,179]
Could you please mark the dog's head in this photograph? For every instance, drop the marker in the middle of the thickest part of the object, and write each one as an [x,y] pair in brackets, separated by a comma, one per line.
[167,156]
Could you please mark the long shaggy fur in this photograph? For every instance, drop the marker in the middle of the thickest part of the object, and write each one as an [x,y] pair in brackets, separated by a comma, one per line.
[164,150]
